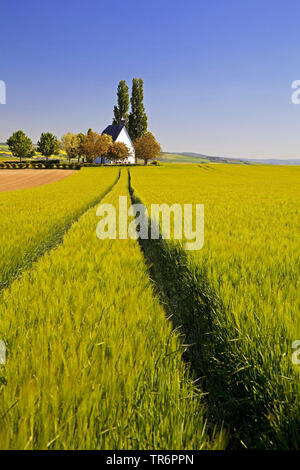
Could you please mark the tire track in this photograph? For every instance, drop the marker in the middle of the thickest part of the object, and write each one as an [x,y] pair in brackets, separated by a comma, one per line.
[54,240]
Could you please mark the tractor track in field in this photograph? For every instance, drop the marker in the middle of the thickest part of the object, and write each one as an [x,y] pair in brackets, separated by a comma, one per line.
[192,306]
[51,243]
[185,298]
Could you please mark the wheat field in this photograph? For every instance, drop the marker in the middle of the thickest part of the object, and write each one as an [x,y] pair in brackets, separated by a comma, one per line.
[93,362]
[248,273]
[140,344]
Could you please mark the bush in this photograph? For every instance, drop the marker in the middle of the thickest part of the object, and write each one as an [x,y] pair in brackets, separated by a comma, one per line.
[155,162]
[40,165]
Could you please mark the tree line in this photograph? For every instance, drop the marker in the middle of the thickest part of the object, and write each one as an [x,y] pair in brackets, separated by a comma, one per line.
[92,145]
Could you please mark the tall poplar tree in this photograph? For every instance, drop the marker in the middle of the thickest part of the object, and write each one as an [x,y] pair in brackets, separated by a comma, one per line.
[121,111]
[138,121]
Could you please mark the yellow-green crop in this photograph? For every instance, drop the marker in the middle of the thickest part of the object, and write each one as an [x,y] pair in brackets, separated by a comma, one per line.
[92,361]
[34,220]
[237,299]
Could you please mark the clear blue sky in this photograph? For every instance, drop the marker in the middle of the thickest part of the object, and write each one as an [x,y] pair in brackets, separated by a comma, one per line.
[217,73]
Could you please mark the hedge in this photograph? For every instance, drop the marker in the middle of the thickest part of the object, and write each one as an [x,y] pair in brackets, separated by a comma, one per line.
[37,166]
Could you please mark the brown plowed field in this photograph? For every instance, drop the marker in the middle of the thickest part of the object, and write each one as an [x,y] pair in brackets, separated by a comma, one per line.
[11,180]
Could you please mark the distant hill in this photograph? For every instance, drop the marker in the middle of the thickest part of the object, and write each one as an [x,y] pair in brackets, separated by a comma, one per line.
[276,161]
[179,158]
[192,157]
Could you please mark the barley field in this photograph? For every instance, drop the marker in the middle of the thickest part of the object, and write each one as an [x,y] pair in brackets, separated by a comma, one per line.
[93,362]
[34,220]
[247,278]
[141,344]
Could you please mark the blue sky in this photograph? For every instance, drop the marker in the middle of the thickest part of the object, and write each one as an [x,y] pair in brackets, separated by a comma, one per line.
[217,73]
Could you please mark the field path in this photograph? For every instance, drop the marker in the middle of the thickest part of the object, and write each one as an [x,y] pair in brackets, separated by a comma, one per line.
[91,346]
[10,180]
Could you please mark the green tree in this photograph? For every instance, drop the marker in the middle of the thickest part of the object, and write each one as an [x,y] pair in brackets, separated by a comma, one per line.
[48,144]
[81,136]
[137,121]
[70,143]
[146,147]
[20,145]
[121,111]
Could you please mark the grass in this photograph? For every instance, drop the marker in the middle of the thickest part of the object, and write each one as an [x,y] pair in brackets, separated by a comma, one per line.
[237,300]
[176,158]
[194,158]
[93,363]
[35,220]
[4,149]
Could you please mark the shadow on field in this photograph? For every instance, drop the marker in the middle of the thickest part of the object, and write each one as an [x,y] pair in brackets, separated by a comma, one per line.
[196,312]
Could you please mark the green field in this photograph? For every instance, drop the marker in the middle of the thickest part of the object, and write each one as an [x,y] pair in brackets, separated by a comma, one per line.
[94,362]
[4,152]
[36,219]
[242,312]
[197,158]
[176,158]
[142,344]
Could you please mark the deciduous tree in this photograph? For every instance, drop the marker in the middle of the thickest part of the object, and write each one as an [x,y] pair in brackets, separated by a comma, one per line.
[118,151]
[95,145]
[147,148]
[48,144]
[20,145]
[81,137]
[70,143]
